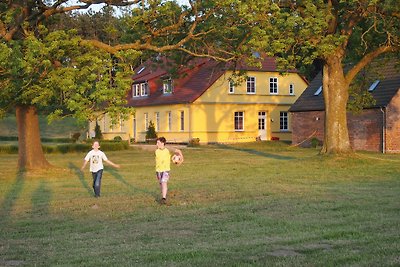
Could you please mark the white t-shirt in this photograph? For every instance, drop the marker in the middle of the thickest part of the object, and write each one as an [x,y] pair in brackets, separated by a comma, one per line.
[96,160]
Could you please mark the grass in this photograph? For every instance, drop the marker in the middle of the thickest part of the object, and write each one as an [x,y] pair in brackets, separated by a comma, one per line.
[253,204]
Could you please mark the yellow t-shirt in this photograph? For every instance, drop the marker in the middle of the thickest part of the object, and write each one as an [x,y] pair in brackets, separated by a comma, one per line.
[163,160]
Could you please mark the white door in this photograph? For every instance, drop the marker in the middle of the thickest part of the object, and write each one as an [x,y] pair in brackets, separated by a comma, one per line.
[262,126]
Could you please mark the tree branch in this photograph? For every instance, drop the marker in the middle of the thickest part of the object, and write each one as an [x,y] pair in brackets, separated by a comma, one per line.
[367,59]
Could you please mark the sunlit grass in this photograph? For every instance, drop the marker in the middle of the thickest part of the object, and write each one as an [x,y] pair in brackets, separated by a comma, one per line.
[258,204]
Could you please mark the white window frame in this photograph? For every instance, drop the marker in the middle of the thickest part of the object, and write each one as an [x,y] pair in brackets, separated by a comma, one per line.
[144,89]
[291,89]
[251,85]
[169,121]
[136,90]
[167,86]
[273,86]
[121,124]
[284,121]
[146,121]
[238,121]
[157,119]
[182,120]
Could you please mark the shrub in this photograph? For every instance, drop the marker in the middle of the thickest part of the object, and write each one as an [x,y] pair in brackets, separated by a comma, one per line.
[8,138]
[75,136]
[118,138]
[97,132]
[56,140]
[194,142]
[151,134]
[315,142]
[9,149]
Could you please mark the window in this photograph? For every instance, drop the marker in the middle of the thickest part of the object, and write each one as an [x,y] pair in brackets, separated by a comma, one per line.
[167,86]
[182,120]
[283,121]
[373,86]
[121,124]
[135,90]
[144,89]
[291,89]
[273,85]
[157,118]
[231,87]
[319,90]
[251,85]
[146,121]
[169,115]
[239,121]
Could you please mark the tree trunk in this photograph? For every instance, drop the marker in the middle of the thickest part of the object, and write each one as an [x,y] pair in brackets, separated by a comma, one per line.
[30,152]
[336,95]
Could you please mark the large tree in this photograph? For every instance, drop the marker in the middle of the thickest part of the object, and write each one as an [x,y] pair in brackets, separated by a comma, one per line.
[339,33]
[42,66]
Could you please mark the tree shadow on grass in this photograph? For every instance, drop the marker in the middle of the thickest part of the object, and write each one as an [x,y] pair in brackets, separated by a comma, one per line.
[80,176]
[131,187]
[41,200]
[11,197]
[255,152]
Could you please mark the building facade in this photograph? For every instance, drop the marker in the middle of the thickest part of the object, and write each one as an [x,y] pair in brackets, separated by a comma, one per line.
[206,101]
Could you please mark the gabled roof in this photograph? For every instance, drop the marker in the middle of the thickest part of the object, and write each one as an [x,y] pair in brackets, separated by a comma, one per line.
[193,81]
[385,90]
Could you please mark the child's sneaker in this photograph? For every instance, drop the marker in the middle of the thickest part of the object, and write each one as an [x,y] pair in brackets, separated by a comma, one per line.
[163,201]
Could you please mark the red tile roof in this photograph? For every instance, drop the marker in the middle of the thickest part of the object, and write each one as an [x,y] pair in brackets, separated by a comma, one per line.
[194,79]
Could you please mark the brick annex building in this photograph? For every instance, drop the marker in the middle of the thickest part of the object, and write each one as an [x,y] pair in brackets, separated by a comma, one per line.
[377,128]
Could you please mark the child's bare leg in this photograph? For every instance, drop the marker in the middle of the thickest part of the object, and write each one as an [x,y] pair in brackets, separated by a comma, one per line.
[164,190]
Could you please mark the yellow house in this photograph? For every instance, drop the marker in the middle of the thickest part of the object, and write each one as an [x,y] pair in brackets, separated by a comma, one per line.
[205,102]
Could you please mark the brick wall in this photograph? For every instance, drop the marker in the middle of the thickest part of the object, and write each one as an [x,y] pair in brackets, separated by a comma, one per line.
[393,125]
[365,129]
[307,125]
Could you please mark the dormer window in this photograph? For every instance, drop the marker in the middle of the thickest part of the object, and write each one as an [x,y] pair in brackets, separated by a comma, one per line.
[373,86]
[231,87]
[136,90]
[167,86]
[140,89]
[144,89]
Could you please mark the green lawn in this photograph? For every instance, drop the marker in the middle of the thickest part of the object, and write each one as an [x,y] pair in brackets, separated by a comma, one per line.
[259,204]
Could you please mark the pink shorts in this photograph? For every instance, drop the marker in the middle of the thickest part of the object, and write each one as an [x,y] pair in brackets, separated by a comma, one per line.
[163,177]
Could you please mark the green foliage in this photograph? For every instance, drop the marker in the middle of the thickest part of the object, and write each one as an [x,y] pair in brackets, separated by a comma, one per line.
[117,138]
[9,149]
[194,142]
[75,136]
[151,132]
[60,74]
[69,148]
[315,142]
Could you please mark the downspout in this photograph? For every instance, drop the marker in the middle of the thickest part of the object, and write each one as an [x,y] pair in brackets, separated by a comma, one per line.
[383,110]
